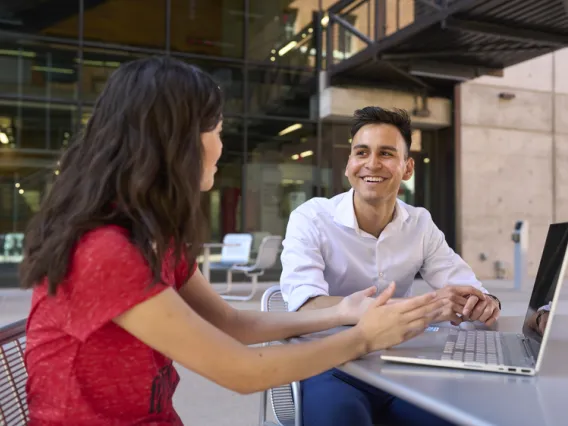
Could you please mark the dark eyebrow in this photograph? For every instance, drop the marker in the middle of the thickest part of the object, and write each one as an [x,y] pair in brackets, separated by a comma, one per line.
[360,146]
[382,148]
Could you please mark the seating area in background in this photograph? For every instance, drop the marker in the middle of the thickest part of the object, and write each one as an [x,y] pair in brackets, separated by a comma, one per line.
[237,250]
[13,375]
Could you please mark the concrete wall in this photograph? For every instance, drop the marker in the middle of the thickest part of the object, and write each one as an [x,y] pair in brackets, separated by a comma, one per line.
[339,103]
[512,160]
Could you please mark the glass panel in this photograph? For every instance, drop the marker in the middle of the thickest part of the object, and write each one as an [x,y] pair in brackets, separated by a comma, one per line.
[128,22]
[281,170]
[48,17]
[222,205]
[282,34]
[208,27]
[36,125]
[280,91]
[21,193]
[37,69]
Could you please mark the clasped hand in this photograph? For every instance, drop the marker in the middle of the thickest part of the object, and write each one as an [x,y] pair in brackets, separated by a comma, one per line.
[459,303]
[466,303]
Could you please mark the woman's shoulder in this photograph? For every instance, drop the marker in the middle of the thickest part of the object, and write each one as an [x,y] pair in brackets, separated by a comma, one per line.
[106,243]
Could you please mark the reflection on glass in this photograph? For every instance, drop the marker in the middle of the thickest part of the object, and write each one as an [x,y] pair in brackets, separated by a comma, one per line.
[11,247]
[21,194]
[48,17]
[277,91]
[230,79]
[98,65]
[280,172]
[282,34]
[38,69]
[36,125]
[123,22]
[222,205]
[208,27]
[548,276]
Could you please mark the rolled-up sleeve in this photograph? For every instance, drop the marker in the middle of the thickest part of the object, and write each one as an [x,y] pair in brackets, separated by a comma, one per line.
[442,266]
[302,262]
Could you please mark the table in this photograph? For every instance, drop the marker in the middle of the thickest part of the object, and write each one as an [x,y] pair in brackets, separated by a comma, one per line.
[477,398]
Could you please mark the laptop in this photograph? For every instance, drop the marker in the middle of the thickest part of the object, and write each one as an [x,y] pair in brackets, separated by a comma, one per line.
[506,352]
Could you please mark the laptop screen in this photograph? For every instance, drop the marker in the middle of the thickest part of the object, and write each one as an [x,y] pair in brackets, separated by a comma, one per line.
[547,279]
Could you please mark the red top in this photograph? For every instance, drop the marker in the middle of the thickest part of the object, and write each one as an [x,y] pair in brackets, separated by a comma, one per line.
[84,369]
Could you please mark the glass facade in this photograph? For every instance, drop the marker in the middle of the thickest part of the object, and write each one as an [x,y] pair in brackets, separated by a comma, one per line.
[56,55]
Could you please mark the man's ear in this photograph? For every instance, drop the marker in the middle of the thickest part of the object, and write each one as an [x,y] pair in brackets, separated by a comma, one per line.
[408,169]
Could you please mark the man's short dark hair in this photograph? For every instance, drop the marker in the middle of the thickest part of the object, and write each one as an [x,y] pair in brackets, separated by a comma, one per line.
[398,118]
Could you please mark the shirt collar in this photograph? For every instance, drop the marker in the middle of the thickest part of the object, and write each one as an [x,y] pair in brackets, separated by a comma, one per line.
[345,213]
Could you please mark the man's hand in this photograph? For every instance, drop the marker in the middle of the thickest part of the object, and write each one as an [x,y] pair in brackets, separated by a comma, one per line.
[485,310]
[456,298]
[352,307]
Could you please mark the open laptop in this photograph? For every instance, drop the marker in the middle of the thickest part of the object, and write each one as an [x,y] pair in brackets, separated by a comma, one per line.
[506,352]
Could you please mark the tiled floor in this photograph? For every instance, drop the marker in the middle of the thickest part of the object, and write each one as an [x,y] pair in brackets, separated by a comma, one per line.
[203,403]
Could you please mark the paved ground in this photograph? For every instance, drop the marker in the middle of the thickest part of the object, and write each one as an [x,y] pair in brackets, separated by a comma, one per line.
[202,403]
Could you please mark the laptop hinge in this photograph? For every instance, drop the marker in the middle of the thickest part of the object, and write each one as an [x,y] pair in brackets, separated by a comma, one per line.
[528,349]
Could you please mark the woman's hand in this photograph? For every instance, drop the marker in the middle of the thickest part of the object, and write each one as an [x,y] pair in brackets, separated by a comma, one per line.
[384,325]
[354,306]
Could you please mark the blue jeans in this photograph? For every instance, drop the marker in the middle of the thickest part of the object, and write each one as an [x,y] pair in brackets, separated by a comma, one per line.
[334,398]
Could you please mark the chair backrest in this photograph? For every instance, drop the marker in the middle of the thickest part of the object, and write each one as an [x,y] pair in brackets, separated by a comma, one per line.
[268,252]
[237,250]
[281,397]
[13,375]
[272,300]
[257,238]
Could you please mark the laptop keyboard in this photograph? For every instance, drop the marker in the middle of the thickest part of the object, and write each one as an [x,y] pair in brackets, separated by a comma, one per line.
[474,346]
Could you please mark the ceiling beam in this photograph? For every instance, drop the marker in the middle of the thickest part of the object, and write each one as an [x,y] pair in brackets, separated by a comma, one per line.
[507,33]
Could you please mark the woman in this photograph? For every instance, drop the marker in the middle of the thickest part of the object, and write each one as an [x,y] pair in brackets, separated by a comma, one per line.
[117,295]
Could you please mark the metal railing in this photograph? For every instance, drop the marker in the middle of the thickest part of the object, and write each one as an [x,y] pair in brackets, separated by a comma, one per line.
[350,26]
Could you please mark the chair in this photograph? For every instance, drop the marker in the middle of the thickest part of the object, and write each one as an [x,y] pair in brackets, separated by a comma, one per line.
[266,258]
[13,375]
[236,250]
[257,238]
[286,400]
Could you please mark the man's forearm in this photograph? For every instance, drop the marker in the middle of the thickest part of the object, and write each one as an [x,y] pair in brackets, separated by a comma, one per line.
[250,327]
[321,302]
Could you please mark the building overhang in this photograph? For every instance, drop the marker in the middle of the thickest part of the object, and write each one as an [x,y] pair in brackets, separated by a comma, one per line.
[339,103]
[460,41]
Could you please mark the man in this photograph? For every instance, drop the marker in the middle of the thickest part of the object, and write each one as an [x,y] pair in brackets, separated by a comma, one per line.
[335,247]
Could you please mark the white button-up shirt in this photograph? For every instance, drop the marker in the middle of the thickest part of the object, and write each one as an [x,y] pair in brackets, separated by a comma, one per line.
[326,254]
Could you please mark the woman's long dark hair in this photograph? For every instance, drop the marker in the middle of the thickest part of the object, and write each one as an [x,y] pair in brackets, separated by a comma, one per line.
[138,164]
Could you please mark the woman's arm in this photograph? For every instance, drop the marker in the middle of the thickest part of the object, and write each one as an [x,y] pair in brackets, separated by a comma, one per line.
[250,327]
[167,324]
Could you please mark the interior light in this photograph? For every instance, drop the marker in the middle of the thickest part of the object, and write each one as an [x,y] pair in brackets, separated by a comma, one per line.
[287,48]
[290,129]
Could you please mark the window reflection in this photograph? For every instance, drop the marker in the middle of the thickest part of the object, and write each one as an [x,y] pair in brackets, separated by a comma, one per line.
[38,69]
[222,205]
[281,170]
[208,27]
[140,23]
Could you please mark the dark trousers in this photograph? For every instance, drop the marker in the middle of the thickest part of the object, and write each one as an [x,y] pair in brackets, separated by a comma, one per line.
[334,398]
